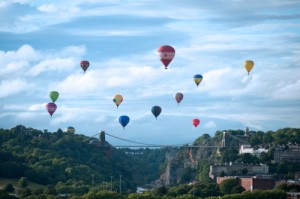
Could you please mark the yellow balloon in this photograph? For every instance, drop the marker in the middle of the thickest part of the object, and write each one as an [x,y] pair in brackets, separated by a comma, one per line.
[248,64]
[118,99]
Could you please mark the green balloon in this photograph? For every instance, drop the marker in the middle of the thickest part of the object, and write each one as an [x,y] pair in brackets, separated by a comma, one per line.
[54,95]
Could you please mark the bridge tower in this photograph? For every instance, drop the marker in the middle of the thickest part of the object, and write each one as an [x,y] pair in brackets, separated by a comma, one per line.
[224,139]
[102,138]
[246,131]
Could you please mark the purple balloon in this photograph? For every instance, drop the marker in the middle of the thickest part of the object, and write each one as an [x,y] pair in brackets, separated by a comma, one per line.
[178,97]
[51,108]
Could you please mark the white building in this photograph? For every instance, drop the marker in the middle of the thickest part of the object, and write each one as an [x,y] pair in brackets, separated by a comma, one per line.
[246,148]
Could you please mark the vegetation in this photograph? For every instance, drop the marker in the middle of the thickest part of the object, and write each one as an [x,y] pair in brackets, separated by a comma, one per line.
[67,165]
[70,164]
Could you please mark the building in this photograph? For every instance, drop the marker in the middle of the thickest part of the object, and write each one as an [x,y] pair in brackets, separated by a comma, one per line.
[293,195]
[286,156]
[252,183]
[246,148]
[238,169]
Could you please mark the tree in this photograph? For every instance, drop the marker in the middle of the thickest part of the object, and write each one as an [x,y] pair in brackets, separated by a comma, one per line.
[5,195]
[186,175]
[237,189]
[9,188]
[230,155]
[23,182]
[160,191]
[227,185]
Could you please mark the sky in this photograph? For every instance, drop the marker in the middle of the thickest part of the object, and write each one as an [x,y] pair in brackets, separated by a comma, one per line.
[43,41]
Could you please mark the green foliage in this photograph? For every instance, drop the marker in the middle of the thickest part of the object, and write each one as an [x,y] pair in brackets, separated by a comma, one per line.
[48,158]
[160,191]
[186,175]
[203,172]
[267,194]
[23,182]
[179,190]
[227,185]
[9,188]
[230,155]
[4,194]
[141,196]
[103,195]
[289,187]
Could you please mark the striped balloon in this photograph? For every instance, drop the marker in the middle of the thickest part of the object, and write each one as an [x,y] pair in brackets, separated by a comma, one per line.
[166,54]
[197,79]
[51,108]
[84,65]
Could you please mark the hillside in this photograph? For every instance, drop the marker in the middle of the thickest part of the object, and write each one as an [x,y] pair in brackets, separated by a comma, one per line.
[75,163]
[192,164]
[71,161]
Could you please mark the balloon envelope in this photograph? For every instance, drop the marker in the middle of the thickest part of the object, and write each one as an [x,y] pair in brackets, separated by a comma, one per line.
[248,64]
[84,65]
[166,54]
[178,97]
[156,110]
[54,95]
[70,129]
[118,99]
[124,120]
[197,79]
[196,122]
[51,108]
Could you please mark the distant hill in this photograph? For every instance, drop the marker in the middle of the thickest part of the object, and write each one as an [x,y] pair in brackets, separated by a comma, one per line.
[72,160]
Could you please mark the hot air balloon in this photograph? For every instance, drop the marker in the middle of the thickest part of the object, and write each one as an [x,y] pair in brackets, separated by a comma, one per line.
[178,97]
[84,65]
[51,108]
[166,54]
[70,129]
[124,120]
[197,79]
[54,95]
[156,110]
[196,122]
[248,64]
[118,99]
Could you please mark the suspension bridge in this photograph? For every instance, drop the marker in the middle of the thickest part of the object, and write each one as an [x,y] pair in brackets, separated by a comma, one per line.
[135,144]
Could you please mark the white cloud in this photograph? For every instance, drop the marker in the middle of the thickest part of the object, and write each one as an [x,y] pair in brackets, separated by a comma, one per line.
[29,61]
[55,64]
[48,8]
[37,107]
[210,124]
[13,87]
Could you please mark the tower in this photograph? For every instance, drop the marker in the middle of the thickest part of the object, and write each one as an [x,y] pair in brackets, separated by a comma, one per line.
[102,138]
[246,131]
[224,139]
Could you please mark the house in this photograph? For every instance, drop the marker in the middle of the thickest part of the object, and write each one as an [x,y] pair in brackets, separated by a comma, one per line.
[286,156]
[251,183]
[238,169]
[246,148]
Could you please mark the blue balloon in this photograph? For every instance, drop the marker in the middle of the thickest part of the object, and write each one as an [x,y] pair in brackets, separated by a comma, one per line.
[124,120]
[198,76]
[156,110]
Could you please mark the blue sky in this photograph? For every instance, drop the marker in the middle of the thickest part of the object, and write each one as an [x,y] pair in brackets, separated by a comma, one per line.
[42,43]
